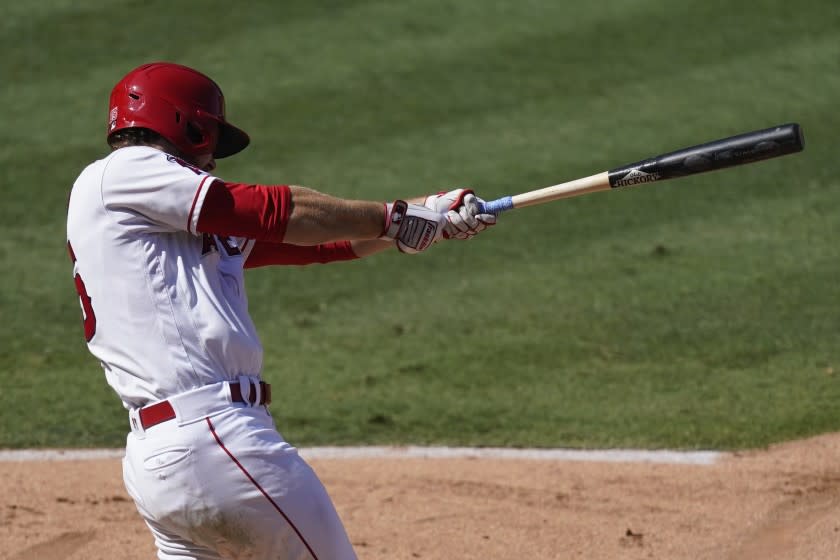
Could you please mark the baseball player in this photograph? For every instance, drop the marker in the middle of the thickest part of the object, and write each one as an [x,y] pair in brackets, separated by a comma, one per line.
[159,245]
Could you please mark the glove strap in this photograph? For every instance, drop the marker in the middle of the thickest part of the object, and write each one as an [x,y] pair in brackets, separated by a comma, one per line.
[395,214]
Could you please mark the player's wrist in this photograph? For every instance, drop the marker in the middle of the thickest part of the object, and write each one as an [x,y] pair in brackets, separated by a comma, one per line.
[394,214]
[413,227]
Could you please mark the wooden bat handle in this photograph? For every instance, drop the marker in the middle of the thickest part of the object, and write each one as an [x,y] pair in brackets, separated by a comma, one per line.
[584,185]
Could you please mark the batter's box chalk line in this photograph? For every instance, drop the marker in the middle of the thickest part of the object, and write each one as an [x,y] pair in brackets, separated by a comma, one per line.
[415,452]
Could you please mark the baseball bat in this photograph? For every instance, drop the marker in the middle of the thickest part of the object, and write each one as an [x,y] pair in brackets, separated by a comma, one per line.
[741,149]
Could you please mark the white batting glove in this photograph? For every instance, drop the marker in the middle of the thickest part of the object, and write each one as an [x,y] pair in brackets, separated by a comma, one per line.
[462,210]
[471,214]
[413,226]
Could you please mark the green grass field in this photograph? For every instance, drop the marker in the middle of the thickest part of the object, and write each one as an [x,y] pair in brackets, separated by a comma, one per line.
[700,313]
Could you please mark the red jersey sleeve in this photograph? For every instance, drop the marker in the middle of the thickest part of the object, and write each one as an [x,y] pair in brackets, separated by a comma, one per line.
[258,212]
[264,254]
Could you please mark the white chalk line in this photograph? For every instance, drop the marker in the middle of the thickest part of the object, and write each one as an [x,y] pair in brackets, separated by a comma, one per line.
[662,456]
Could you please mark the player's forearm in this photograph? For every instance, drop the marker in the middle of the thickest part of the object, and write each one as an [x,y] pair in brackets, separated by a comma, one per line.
[360,247]
[317,218]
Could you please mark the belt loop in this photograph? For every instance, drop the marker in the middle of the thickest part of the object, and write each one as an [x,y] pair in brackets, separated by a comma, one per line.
[245,389]
[257,394]
[135,423]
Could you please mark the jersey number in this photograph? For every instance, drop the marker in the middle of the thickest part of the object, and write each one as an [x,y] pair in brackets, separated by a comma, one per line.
[84,300]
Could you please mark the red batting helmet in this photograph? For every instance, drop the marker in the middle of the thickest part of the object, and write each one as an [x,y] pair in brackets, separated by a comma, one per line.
[179,103]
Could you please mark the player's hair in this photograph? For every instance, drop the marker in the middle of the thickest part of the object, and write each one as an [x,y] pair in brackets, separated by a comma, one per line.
[134,137]
[138,136]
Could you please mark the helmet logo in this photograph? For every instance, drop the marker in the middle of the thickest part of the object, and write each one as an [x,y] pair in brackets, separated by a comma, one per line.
[112,118]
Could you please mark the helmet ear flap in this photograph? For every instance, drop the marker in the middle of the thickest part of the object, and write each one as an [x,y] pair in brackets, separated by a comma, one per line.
[194,134]
[202,132]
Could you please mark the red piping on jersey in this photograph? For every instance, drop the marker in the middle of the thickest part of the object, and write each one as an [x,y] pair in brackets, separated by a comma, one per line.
[195,199]
[260,488]
[258,212]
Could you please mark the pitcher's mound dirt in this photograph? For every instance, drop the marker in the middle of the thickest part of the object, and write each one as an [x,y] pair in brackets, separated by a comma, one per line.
[779,503]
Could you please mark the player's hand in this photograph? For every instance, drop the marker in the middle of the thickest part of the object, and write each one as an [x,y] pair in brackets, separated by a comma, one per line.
[463,213]
[472,216]
[413,226]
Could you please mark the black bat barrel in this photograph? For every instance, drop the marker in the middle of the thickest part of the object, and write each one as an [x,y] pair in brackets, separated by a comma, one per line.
[719,154]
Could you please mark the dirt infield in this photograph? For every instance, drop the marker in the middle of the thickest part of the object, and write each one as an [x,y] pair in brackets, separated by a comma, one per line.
[778,503]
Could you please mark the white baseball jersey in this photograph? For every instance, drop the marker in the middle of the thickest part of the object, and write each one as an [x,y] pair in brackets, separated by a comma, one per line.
[164,307]
[165,312]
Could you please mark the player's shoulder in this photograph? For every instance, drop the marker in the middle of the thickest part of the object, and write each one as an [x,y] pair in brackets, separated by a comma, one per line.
[144,161]
[128,157]
[141,155]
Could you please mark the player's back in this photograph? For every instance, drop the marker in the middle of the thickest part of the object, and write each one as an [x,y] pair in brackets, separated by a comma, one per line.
[164,308]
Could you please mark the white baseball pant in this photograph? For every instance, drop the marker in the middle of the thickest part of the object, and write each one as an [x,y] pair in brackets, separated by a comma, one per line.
[219,482]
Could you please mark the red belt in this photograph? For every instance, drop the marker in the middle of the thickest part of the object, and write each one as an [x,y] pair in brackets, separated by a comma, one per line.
[161,412]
